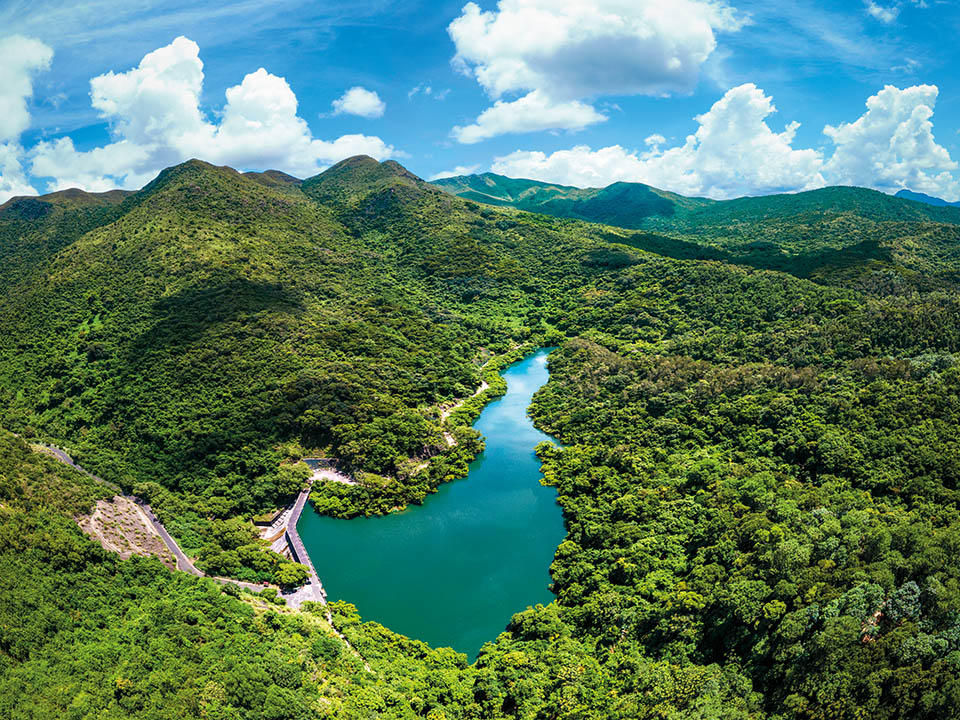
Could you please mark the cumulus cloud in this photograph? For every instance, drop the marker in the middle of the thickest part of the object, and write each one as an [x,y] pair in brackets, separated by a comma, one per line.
[20,59]
[733,152]
[359,101]
[534,111]
[156,121]
[580,166]
[458,170]
[13,181]
[892,146]
[560,53]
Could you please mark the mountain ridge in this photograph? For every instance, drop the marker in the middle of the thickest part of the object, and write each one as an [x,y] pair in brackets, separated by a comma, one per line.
[924,198]
[621,204]
[756,406]
[566,200]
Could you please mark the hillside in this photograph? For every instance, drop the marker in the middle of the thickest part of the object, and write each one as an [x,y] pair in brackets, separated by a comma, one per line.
[623,204]
[759,473]
[924,198]
[839,235]
[66,604]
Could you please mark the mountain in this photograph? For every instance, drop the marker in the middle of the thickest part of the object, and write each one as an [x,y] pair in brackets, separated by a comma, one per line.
[276,180]
[756,402]
[70,198]
[639,206]
[839,235]
[928,199]
[622,204]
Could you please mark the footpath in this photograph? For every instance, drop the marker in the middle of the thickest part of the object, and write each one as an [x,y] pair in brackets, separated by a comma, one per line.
[184,564]
[312,591]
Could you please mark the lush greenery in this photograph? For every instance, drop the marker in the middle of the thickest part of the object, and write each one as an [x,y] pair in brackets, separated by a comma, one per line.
[758,402]
[628,205]
[839,235]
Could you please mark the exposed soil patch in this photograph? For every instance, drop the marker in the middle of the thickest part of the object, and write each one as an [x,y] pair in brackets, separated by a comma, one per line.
[121,526]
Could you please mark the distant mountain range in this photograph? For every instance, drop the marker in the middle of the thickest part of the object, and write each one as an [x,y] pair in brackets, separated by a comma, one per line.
[623,204]
[928,199]
[639,206]
[838,235]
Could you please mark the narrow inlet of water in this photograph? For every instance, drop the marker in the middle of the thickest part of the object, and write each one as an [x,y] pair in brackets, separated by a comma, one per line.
[452,571]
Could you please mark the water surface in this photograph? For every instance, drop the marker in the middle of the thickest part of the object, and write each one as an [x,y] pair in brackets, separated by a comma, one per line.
[452,571]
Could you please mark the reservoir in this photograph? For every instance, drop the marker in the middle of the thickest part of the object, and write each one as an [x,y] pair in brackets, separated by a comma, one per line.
[451,572]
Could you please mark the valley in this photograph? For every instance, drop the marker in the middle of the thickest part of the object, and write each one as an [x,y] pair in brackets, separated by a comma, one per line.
[453,571]
[756,465]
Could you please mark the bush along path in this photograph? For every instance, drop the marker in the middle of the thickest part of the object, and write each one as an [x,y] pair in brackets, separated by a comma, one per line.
[184,564]
[311,592]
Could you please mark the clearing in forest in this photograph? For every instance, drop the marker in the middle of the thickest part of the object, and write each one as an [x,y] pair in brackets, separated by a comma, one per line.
[121,526]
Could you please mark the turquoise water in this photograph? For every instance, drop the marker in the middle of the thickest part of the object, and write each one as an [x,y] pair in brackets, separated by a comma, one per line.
[452,571]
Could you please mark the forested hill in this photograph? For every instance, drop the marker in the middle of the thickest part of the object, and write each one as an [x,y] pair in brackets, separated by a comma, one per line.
[758,403]
[924,198]
[623,204]
[636,205]
[836,235]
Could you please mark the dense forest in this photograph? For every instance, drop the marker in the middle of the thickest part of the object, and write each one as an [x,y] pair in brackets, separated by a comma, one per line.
[758,403]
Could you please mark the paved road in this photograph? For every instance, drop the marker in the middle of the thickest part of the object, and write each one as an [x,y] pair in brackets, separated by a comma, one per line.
[67,460]
[184,563]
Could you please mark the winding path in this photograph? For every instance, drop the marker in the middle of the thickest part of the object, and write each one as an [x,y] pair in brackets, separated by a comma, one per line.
[448,411]
[313,590]
[184,564]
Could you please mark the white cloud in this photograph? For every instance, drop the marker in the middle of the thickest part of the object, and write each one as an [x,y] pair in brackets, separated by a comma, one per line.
[879,12]
[359,101]
[534,111]
[733,152]
[578,166]
[891,146]
[585,48]
[909,67]
[156,121]
[13,181]
[20,59]
[457,171]
[569,51]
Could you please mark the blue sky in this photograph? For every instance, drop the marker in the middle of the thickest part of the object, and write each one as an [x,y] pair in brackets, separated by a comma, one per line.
[583,92]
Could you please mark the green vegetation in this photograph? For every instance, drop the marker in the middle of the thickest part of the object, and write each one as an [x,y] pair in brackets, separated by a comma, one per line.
[627,205]
[758,403]
[845,236]
[83,634]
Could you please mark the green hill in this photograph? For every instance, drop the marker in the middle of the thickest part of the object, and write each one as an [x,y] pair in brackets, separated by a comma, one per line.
[838,235]
[757,403]
[623,204]
[924,198]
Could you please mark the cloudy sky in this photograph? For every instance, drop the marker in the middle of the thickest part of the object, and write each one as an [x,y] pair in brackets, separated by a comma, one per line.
[721,98]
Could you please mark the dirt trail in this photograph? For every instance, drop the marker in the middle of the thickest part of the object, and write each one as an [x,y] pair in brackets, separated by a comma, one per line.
[446,412]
